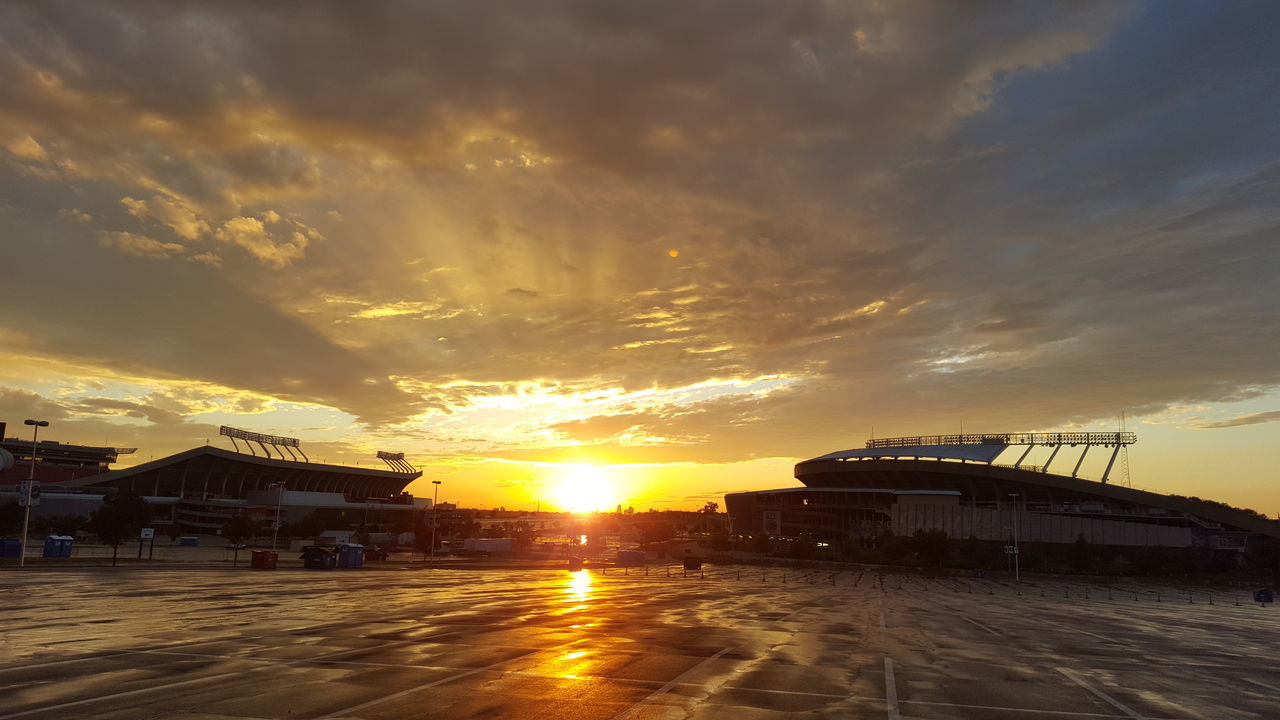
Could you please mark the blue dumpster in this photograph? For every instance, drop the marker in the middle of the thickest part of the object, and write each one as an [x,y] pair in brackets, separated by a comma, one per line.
[315,557]
[58,546]
[10,548]
[350,556]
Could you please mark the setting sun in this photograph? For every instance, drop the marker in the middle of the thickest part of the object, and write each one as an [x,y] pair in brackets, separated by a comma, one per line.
[586,488]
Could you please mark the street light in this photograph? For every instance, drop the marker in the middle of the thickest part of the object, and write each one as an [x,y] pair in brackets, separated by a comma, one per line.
[31,476]
[435,517]
[275,533]
[1017,574]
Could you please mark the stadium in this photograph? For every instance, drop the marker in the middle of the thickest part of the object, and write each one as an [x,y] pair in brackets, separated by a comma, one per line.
[198,490]
[952,483]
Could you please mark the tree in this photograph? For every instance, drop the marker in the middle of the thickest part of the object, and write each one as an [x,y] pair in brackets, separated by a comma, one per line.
[120,518]
[236,530]
[711,508]
[930,546]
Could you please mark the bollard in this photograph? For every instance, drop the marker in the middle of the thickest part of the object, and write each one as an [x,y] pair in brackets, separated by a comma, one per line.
[668,571]
[686,572]
[626,571]
[1109,594]
[702,574]
[739,574]
[1190,600]
[1210,598]
[1086,593]
[1135,597]
[1041,592]
[1157,597]
[784,578]
[646,571]
[764,575]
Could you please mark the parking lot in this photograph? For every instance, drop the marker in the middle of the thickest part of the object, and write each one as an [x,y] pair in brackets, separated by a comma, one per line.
[740,643]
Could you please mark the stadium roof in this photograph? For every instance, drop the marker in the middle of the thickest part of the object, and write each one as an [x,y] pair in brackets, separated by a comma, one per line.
[234,473]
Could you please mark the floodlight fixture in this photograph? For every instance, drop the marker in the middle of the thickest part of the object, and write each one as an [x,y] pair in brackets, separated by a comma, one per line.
[263,440]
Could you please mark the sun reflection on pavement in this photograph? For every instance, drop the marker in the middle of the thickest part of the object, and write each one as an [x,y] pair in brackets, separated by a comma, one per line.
[578,590]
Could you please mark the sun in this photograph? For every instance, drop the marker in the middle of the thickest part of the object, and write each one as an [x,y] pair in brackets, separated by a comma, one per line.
[586,488]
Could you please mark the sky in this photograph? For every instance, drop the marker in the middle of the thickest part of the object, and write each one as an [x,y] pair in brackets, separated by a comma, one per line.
[670,247]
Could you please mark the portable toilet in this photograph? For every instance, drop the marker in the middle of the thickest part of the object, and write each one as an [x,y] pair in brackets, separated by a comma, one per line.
[350,556]
[10,548]
[57,546]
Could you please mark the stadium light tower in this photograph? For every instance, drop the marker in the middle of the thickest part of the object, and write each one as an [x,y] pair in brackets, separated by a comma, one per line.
[31,476]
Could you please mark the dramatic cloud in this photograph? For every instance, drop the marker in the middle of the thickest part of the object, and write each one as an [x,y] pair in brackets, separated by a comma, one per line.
[1252,419]
[489,232]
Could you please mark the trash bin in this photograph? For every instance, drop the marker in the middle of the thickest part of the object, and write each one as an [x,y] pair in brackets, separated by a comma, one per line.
[315,557]
[10,548]
[263,560]
[692,564]
[58,546]
[350,556]
[375,554]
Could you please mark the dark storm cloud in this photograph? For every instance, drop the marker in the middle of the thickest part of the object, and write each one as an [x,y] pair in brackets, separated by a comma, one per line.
[1022,214]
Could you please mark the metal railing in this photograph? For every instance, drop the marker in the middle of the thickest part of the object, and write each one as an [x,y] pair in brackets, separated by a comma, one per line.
[1074,438]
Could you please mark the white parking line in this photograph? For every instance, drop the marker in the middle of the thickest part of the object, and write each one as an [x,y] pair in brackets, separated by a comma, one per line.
[984,627]
[437,683]
[1064,713]
[112,696]
[1101,695]
[1261,684]
[890,690]
[667,688]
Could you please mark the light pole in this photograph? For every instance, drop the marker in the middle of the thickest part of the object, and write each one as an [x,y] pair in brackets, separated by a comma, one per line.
[31,476]
[275,533]
[435,517]
[1017,574]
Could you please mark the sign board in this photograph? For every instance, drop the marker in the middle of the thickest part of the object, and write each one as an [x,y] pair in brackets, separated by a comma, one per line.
[433,520]
[772,522]
[1011,549]
[29,493]
[147,534]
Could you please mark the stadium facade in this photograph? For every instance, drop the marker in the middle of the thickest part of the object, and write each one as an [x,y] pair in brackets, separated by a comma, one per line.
[896,486]
[197,490]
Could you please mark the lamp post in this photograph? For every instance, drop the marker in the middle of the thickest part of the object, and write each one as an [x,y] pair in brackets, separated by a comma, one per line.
[1017,574]
[31,476]
[275,533]
[435,517]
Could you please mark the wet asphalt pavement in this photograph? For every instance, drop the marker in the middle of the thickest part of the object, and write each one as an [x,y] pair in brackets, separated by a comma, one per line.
[381,644]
